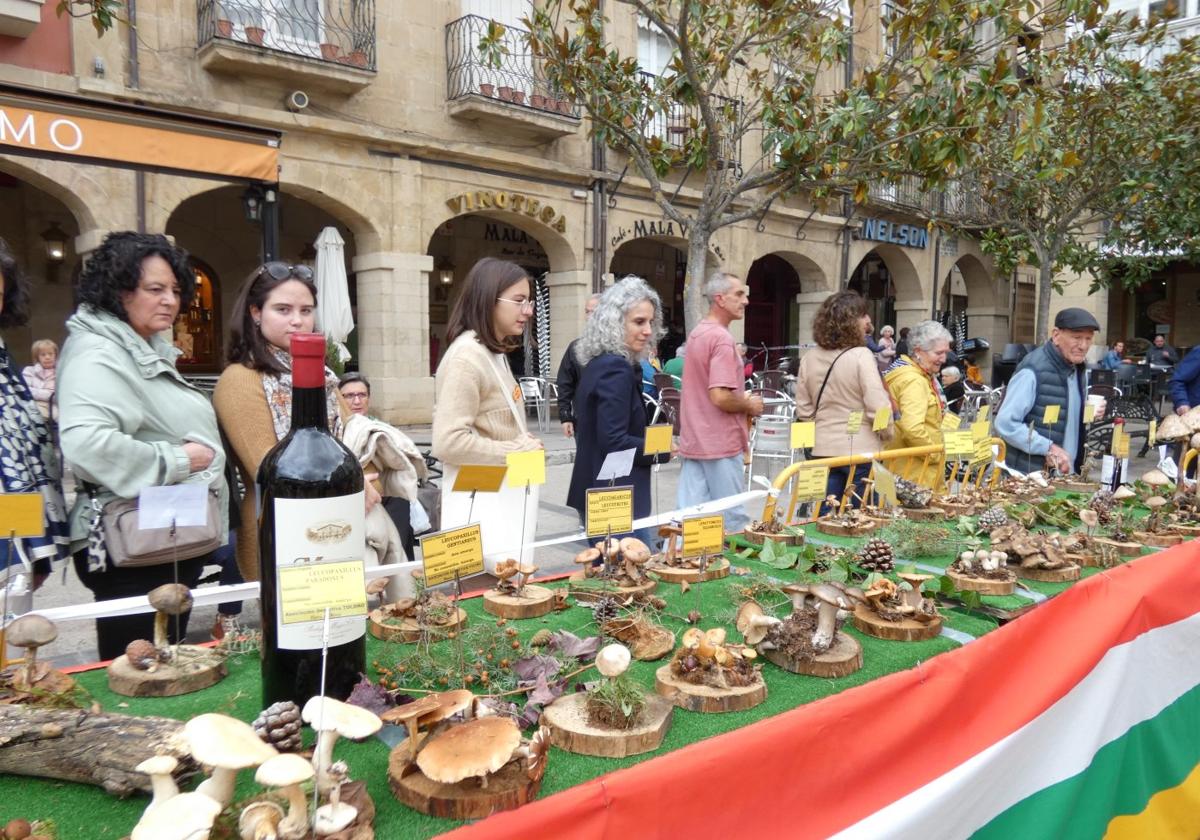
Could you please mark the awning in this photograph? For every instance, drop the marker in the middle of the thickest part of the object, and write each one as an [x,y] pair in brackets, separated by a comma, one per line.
[133,136]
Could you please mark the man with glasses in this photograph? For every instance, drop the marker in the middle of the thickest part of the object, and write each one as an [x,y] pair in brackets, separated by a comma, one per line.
[356,391]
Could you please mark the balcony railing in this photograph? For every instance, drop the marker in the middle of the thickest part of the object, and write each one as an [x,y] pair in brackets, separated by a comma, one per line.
[337,31]
[677,124]
[905,193]
[518,80]
[1177,30]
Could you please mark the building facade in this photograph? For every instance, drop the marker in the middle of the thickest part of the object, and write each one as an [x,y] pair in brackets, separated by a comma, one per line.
[387,124]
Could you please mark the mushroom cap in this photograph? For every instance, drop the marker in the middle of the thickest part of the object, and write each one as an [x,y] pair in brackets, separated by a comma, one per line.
[746,612]
[1192,419]
[613,660]
[1089,517]
[634,549]
[283,770]
[715,636]
[475,748]
[171,598]
[1155,502]
[376,586]
[528,569]
[1156,478]
[829,594]
[31,630]
[1194,443]
[588,555]
[182,817]
[158,765]
[330,818]
[608,546]
[353,722]
[1123,492]
[449,703]
[692,637]
[253,815]
[1173,427]
[221,741]
[400,715]
[505,569]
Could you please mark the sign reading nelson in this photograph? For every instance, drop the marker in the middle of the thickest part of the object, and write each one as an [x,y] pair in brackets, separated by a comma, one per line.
[881,230]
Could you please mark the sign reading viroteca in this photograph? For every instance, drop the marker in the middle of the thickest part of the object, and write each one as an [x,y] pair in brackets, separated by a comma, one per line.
[908,236]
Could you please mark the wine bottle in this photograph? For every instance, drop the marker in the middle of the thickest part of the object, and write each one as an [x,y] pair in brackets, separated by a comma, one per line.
[311,537]
[1117,461]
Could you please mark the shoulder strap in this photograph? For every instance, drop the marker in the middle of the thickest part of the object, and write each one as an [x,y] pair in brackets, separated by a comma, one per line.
[825,381]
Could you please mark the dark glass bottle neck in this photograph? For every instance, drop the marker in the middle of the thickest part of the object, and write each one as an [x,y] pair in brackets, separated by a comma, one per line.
[308,408]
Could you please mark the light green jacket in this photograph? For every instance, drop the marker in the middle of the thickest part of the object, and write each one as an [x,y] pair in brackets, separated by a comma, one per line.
[125,413]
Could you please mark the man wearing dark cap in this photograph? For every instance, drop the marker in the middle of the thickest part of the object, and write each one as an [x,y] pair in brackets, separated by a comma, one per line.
[1053,374]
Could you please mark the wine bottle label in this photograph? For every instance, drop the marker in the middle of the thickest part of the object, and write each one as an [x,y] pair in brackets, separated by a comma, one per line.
[319,548]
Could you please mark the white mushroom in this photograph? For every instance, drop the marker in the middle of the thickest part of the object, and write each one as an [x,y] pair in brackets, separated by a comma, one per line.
[333,718]
[287,771]
[966,560]
[162,783]
[188,816]
[1122,493]
[332,818]
[260,821]
[1000,557]
[613,660]
[227,745]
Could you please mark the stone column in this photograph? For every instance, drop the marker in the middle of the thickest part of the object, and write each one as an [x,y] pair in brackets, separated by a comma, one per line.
[569,291]
[807,304]
[393,334]
[909,313]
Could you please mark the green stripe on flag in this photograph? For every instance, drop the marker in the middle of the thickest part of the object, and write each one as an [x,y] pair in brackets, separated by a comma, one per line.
[1154,755]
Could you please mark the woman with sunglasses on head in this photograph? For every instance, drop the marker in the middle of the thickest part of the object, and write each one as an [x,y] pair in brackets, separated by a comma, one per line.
[253,397]
[478,414]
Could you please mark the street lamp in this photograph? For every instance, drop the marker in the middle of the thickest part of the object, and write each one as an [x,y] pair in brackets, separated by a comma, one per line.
[55,240]
[445,272]
[252,202]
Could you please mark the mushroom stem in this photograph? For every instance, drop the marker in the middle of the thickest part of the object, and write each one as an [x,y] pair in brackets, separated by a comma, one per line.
[219,786]
[295,824]
[822,639]
[162,788]
[413,731]
[30,664]
[160,630]
[324,759]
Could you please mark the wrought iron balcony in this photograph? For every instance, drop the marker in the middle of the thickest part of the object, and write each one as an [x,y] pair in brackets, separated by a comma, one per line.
[335,31]
[518,81]
[676,125]
[906,194]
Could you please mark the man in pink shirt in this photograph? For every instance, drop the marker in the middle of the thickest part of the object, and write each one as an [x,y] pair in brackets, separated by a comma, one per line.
[714,407]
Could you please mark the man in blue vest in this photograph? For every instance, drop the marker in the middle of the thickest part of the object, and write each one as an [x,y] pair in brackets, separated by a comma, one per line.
[1053,374]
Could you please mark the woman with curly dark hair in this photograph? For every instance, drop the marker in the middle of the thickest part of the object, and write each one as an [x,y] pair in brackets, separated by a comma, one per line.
[838,377]
[128,419]
[27,462]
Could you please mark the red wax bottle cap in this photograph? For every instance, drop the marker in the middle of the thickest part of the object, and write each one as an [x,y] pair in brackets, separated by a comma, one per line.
[308,360]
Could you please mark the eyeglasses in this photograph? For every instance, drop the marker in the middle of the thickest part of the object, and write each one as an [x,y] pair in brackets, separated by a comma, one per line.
[354,397]
[282,271]
[524,305]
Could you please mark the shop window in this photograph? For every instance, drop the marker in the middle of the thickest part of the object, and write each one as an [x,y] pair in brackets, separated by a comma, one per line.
[197,330]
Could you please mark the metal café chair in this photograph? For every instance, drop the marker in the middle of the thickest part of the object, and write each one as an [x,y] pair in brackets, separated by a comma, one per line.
[533,390]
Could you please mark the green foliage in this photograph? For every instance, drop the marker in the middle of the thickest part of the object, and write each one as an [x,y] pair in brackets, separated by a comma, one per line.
[104,13]
[918,539]
[622,695]
[967,597]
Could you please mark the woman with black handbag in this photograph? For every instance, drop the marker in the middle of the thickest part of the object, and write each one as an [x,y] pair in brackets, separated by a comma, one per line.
[128,420]
[839,377]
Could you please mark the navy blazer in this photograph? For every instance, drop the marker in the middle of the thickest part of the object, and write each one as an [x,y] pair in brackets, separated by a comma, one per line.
[610,416]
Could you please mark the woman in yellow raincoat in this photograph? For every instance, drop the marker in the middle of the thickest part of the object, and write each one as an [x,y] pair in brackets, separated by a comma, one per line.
[912,382]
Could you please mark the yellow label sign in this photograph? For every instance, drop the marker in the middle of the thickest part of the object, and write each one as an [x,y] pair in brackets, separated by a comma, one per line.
[882,416]
[804,434]
[609,510]
[980,430]
[983,451]
[1050,415]
[1152,434]
[21,515]
[1089,413]
[459,550]
[958,443]
[1116,440]
[983,412]
[885,484]
[658,439]
[951,422]
[485,479]
[854,422]
[1120,445]
[526,468]
[811,483]
[306,590]
[703,535]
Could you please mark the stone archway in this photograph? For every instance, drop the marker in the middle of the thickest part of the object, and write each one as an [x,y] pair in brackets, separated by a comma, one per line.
[887,278]
[979,306]
[772,315]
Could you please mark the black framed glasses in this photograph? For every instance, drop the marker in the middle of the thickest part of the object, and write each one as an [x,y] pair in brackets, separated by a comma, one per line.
[282,271]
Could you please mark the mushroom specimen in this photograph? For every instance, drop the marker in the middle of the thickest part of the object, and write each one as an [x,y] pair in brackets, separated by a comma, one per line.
[588,558]
[168,600]
[287,771]
[336,815]
[753,623]
[333,719]
[408,716]
[376,589]
[162,783]
[1090,519]
[524,574]
[1122,493]
[613,660]
[477,747]
[828,600]
[505,571]
[31,632]
[1156,505]
[260,821]
[188,816]
[1173,427]
[226,745]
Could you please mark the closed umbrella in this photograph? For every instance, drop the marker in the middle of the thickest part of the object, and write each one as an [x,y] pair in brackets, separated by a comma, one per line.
[334,317]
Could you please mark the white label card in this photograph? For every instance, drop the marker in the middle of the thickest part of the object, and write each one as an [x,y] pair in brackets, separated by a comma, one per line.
[617,465]
[184,504]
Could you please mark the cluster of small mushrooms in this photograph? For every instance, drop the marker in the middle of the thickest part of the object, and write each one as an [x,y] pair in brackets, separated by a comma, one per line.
[893,602]
[227,745]
[512,576]
[982,563]
[705,657]
[621,561]
[1030,549]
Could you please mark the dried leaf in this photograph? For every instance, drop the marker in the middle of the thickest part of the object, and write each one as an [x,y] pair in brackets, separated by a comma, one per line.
[568,644]
[370,696]
[532,667]
[684,586]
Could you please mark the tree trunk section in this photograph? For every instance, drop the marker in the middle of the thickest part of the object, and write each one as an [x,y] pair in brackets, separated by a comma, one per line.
[1045,288]
[694,305]
[95,749]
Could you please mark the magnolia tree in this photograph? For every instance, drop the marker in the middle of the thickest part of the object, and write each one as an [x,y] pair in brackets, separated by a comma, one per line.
[1097,140]
[103,13]
[766,78]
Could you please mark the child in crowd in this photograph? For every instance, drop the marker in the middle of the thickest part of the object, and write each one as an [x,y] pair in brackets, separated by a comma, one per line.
[39,376]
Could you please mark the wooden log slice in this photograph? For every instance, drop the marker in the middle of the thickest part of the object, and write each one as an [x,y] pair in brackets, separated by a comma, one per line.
[1079,486]
[408,630]
[984,586]
[759,537]
[1157,539]
[843,658]
[570,730]
[704,698]
[925,514]
[1125,549]
[1066,574]
[716,569]
[907,630]
[195,668]
[839,529]
[1089,559]
[1186,530]
[534,601]
[584,594]
[954,509]
[509,787]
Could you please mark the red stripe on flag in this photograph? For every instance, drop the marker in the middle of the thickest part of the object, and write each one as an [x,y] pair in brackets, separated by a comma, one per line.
[822,767]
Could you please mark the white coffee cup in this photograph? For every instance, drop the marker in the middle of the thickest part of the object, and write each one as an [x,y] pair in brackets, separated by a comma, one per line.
[1100,404]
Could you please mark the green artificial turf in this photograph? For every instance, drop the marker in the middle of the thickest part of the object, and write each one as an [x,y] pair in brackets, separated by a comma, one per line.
[82,811]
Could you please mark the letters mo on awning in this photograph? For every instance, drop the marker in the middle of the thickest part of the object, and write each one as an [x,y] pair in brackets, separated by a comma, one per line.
[130,136]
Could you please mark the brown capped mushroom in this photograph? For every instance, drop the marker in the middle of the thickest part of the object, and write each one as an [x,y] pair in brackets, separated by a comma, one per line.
[31,631]
[1172,427]
[1122,493]
[478,747]
[1156,478]
[408,716]
[450,703]
[753,623]
[506,569]
[830,600]
[168,600]
[634,550]
[376,589]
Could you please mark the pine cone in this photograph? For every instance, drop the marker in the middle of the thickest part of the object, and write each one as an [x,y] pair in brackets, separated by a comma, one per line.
[541,638]
[279,725]
[1102,502]
[876,556]
[605,609]
[993,517]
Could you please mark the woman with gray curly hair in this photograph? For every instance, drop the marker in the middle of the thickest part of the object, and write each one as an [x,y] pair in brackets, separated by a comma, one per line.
[610,415]
[912,382]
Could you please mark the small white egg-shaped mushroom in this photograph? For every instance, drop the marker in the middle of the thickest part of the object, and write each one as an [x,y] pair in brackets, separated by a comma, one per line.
[613,660]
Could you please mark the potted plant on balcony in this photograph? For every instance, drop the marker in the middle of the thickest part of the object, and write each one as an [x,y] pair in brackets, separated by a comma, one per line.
[518,97]
[224,28]
[564,107]
[505,92]
[255,35]
[537,101]
[487,89]
[330,52]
